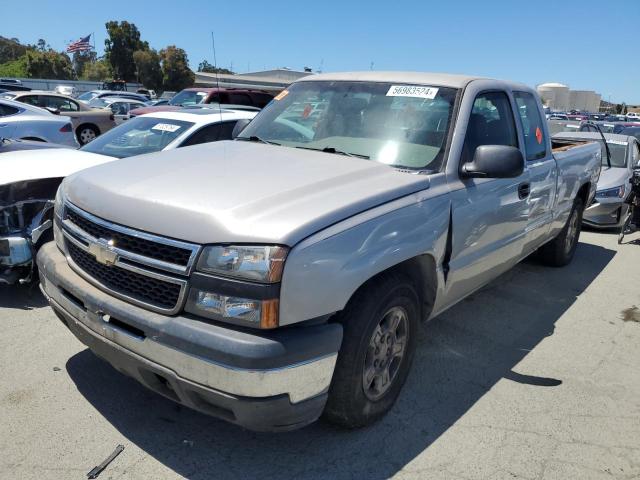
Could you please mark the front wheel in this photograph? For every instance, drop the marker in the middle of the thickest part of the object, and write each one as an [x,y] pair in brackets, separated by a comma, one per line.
[380,331]
[559,251]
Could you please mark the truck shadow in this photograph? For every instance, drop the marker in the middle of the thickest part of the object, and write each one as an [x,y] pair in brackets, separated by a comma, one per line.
[462,354]
[22,297]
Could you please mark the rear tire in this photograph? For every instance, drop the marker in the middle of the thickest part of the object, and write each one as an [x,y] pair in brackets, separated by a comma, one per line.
[559,251]
[86,133]
[380,333]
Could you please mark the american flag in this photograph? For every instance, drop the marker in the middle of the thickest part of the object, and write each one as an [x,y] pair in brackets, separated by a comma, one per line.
[81,45]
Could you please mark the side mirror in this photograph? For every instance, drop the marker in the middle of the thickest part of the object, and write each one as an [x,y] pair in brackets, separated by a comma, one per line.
[494,161]
[55,111]
[239,126]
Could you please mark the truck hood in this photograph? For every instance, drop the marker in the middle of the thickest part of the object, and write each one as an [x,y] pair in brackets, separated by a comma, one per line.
[613,177]
[232,191]
[45,163]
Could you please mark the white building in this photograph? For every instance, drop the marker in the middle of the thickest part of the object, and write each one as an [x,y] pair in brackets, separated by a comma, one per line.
[557,96]
[554,95]
[584,100]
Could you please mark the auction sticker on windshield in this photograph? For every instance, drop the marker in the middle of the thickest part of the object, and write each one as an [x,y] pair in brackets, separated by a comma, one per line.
[165,127]
[415,91]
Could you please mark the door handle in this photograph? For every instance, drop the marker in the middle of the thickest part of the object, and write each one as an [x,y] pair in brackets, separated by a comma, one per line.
[523,190]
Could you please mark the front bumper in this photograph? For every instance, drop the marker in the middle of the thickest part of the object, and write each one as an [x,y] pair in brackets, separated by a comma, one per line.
[267,381]
[605,213]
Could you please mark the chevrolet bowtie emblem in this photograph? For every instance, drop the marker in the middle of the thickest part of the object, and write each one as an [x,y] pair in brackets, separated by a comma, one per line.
[103,251]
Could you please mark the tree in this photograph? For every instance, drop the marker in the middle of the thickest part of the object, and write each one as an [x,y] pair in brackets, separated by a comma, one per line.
[14,68]
[206,67]
[97,71]
[124,39]
[80,59]
[11,49]
[49,64]
[176,73]
[148,68]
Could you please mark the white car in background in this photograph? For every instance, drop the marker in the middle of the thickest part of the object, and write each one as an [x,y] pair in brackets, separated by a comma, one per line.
[26,122]
[30,178]
[119,106]
[68,90]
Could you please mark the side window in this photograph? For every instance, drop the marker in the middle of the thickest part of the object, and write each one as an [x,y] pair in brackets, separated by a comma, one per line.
[226,129]
[491,123]
[535,143]
[261,100]
[32,100]
[210,133]
[239,99]
[6,110]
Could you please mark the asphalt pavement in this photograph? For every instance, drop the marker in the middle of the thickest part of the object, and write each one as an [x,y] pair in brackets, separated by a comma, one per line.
[537,376]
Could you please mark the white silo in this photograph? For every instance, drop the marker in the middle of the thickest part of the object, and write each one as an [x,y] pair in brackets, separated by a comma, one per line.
[554,95]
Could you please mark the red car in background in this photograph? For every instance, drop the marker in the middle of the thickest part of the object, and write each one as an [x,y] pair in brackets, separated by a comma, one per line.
[224,96]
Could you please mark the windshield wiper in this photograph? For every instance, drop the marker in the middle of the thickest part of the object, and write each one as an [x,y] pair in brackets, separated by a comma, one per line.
[254,138]
[338,152]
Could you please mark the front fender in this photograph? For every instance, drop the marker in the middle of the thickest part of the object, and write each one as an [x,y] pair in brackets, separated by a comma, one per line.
[323,272]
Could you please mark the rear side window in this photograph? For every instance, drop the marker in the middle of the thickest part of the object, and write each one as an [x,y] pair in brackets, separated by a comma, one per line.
[261,99]
[210,133]
[6,110]
[239,99]
[535,142]
[491,123]
[30,100]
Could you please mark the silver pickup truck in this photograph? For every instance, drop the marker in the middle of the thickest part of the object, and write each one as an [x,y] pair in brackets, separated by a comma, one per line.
[284,274]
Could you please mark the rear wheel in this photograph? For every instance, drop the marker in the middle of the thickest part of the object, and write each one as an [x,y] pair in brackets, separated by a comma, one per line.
[559,251]
[86,133]
[380,330]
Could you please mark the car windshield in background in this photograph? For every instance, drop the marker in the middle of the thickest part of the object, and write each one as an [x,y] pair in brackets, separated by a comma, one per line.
[188,97]
[87,96]
[618,153]
[98,103]
[137,136]
[405,126]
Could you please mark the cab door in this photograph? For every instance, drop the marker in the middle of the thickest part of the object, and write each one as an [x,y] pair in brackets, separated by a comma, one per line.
[488,215]
[543,172]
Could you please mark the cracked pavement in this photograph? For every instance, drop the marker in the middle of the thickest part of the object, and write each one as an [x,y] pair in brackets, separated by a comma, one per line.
[536,376]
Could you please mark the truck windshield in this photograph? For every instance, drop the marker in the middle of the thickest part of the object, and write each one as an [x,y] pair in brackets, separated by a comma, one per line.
[137,136]
[405,126]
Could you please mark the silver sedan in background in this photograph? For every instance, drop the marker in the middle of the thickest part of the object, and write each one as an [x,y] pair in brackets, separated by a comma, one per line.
[608,208]
[26,122]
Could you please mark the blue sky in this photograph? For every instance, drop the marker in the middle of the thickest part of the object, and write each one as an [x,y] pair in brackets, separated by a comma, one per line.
[586,44]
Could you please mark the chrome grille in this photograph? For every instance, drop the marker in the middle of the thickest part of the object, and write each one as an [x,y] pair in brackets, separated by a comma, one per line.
[126,283]
[138,267]
[130,243]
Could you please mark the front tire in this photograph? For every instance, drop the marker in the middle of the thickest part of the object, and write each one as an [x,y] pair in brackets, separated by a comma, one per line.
[380,333]
[559,251]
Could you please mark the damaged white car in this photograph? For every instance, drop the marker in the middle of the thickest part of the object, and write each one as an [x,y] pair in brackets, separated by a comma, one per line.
[28,183]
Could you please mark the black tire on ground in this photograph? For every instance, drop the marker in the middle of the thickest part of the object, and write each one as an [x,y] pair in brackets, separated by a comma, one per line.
[86,133]
[388,308]
[559,251]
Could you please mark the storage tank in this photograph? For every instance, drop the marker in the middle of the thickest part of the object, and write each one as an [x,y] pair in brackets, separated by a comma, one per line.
[554,95]
[584,100]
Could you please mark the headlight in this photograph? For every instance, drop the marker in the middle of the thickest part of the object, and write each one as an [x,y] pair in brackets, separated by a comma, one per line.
[58,206]
[238,310]
[617,192]
[256,263]
[249,294]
